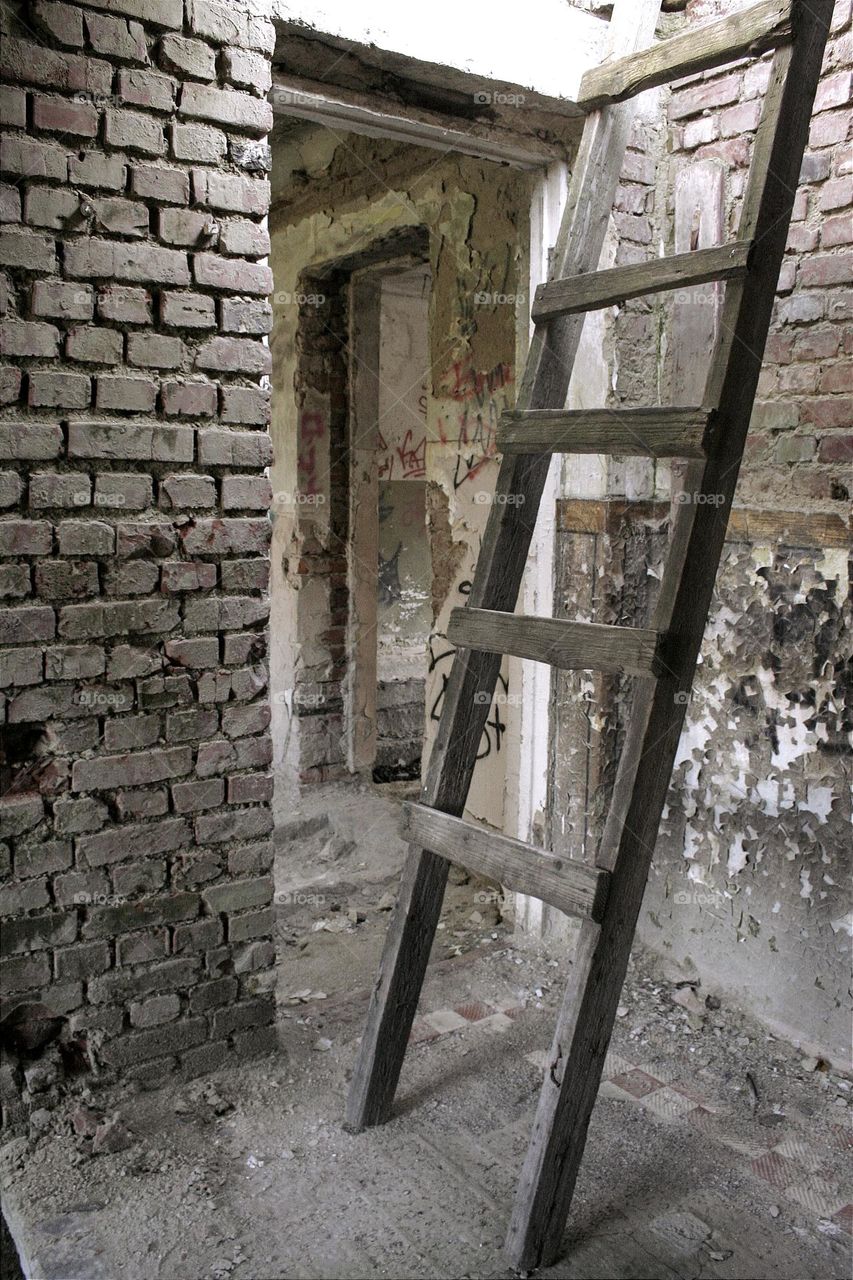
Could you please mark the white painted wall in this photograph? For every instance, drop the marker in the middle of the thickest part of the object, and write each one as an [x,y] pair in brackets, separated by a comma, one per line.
[527,784]
[546,48]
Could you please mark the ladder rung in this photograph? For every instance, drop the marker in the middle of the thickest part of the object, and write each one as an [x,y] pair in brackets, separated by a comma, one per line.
[572,887]
[656,433]
[748,33]
[571,646]
[603,288]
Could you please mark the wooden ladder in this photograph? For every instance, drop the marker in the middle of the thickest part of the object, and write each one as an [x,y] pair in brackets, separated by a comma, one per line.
[607,895]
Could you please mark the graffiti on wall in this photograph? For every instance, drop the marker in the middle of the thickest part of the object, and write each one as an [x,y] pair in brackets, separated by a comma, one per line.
[404,461]
[473,422]
[401,449]
[440,660]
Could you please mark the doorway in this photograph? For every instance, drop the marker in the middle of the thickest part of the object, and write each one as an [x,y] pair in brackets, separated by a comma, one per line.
[390,564]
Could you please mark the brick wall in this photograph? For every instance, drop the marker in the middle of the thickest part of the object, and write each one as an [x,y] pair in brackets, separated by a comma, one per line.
[136,859]
[800,445]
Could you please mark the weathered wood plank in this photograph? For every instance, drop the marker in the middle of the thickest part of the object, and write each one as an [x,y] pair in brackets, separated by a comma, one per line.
[655,433]
[586,1018]
[698,223]
[607,515]
[746,524]
[571,646]
[604,288]
[572,887]
[346,109]
[789,528]
[500,566]
[752,31]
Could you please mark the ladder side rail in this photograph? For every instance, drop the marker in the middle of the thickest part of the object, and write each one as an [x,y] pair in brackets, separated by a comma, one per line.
[497,580]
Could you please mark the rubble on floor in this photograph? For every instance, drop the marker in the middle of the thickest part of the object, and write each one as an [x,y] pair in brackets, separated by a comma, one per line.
[715,1149]
[248,1174]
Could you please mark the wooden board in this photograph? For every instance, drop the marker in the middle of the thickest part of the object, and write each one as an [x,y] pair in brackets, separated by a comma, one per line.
[655,433]
[608,515]
[789,528]
[819,529]
[572,887]
[752,31]
[698,223]
[571,646]
[605,288]
[347,110]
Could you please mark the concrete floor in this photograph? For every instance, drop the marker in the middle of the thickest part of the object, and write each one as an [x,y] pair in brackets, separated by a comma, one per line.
[714,1150]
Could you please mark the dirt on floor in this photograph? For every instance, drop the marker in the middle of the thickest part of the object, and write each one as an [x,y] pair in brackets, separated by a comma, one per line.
[336,874]
[715,1150]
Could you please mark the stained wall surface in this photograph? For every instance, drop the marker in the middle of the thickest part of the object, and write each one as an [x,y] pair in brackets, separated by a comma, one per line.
[340,198]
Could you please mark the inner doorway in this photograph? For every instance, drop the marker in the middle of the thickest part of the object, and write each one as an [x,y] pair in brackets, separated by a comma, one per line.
[390,563]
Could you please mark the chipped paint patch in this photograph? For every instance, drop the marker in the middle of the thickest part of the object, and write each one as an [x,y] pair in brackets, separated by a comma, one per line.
[759,811]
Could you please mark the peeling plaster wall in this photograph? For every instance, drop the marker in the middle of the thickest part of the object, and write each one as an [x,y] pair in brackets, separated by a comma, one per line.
[750,885]
[749,889]
[335,204]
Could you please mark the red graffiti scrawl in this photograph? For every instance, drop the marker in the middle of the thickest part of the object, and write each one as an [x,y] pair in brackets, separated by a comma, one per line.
[474,429]
[468,383]
[406,461]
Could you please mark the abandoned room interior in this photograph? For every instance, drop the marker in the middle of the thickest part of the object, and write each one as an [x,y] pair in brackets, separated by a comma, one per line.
[427,678]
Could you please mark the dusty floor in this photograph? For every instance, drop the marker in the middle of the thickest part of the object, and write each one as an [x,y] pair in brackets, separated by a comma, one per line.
[336,876]
[714,1151]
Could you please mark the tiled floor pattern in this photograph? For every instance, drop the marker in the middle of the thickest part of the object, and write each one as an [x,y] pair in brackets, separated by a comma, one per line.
[797,1170]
